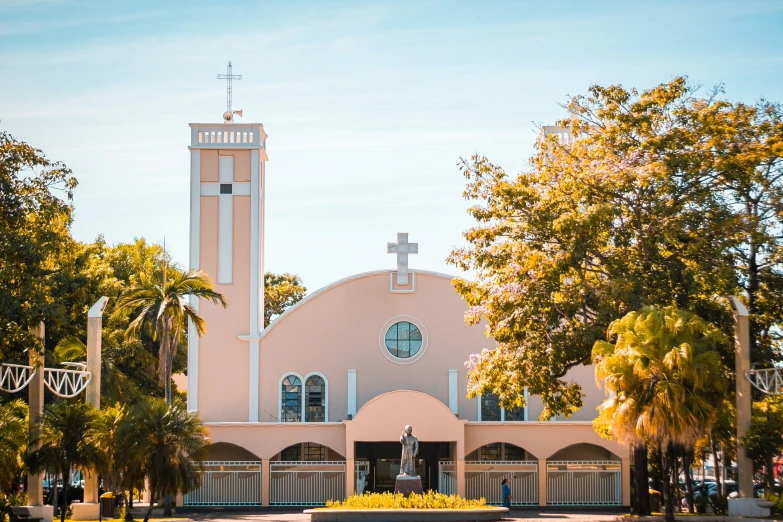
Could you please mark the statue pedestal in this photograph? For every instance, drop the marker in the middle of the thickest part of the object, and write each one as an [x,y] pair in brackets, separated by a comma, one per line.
[407,484]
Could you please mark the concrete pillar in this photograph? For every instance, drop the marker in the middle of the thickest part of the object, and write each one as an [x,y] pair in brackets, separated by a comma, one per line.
[626,479]
[742,365]
[36,403]
[93,391]
[350,477]
[459,463]
[266,482]
[179,500]
[542,482]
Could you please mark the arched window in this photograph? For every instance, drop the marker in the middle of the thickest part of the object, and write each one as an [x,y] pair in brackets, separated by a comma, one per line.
[291,399]
[315,399]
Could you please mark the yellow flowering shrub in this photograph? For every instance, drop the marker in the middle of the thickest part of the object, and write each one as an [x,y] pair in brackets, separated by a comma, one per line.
[428,500]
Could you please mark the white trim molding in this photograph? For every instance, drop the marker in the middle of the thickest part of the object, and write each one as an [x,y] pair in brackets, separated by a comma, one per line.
[453,394]
[225,266]
[425,339]
[351,392]
[402,289]
[195,245]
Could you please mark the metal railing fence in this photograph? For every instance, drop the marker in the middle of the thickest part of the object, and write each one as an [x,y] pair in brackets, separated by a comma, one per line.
[227,483]
[584,483]
[301,483]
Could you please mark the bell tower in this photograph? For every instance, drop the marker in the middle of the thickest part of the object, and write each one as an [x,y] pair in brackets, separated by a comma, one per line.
[227,242]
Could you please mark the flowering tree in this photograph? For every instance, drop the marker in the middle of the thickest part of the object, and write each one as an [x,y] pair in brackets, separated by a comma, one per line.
[617,212]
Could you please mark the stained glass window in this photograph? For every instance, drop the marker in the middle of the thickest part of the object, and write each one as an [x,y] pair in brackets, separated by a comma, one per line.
[490,451]
[314,452]
[403,340]
[291,453]
[490,409]
[315,399]
[291,399]
[514,414]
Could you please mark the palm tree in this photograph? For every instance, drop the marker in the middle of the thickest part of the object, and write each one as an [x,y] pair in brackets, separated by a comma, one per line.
[115,385]
[665,378]
[13,441]
[66,442]
[104,437]
[164,305]
[168,442]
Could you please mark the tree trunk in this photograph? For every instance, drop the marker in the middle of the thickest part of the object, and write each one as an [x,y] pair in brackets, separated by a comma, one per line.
[667,490]
[167,505]
[676,481]
[641,481]
[716,459]
[152,503]
[129,506]
[770,472]
[753,278]
[686,464]
[64,509]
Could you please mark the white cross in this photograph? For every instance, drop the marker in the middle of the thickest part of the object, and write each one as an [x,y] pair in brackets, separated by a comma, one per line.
[402,248]
[225,190]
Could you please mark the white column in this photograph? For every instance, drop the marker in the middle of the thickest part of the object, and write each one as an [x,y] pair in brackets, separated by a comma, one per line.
[195,244]
[256,277]
[226,223]
[453,395]
[527,405]
[351,392]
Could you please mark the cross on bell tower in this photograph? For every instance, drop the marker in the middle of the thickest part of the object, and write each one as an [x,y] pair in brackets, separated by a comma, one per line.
[228,116]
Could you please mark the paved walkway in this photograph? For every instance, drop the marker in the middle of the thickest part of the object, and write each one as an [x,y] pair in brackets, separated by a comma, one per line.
[297,516]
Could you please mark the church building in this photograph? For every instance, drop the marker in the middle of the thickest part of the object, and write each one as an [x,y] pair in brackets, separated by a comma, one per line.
[311,408]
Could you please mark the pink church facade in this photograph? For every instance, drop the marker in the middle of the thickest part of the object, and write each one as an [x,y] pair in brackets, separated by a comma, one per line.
[311,408]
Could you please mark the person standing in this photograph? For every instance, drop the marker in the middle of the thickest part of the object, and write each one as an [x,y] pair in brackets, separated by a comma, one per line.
[506,492]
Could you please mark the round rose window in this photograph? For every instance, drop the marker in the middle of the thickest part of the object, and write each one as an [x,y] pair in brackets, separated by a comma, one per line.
[403,340]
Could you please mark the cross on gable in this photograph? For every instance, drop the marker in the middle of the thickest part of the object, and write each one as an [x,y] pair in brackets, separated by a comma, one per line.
[402,248]
[225,189]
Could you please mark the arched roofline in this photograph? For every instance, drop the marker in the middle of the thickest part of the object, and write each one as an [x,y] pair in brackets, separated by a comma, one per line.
[233,445]
[276,450]
[598,444]
[504,441]
[369,404]
[339,282]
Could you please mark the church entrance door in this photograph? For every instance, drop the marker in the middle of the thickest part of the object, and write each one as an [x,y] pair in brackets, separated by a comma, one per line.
[384,459]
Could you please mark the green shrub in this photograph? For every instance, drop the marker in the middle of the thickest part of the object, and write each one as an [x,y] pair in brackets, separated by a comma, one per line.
[777,509]
[721,506]
[428,500]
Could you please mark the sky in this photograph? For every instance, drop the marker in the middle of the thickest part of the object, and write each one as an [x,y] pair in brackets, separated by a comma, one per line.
[369,106]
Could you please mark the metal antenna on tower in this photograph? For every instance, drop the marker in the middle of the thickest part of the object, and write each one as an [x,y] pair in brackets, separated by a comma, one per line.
[228,116]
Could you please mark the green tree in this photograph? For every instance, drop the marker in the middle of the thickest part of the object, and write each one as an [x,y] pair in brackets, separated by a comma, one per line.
[66,442]
[104,437]
[615,213]
[35,216]
[764,440]
[115,385]
[744,147]
[666,381]
[281,291]
[163,304]
[13,441]
[169,442]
